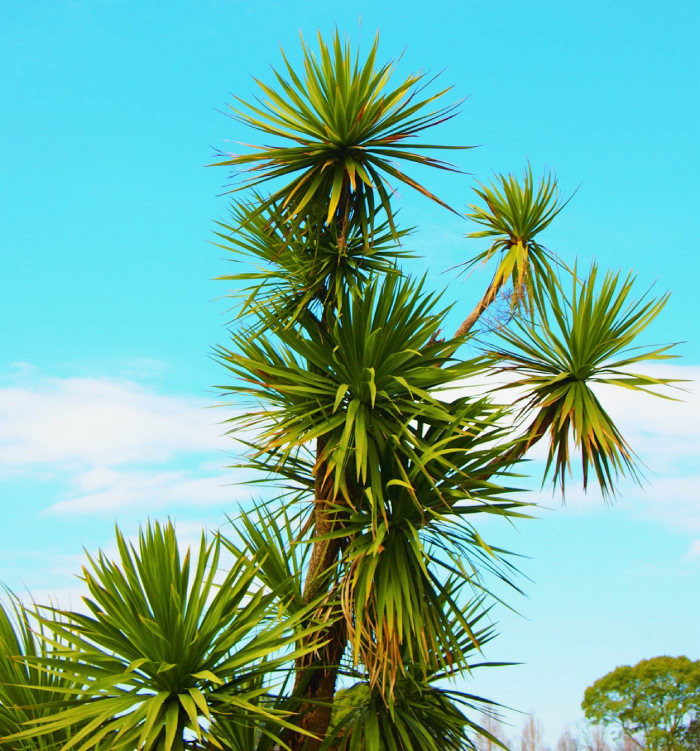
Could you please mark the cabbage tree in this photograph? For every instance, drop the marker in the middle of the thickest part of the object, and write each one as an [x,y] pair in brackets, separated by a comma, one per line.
[359,590]
[351,397]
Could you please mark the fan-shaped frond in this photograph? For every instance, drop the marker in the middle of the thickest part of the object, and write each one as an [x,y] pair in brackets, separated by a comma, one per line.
[164,647]
[514,215]
[368,382]
[421,717]
[560,352]
[342,129]
[294,268]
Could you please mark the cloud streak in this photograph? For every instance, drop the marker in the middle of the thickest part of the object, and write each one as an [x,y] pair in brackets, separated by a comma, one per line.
[116,446]
[109,491]
[120,447]
[100,422]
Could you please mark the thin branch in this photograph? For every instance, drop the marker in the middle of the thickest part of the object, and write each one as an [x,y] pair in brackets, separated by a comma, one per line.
[473,317]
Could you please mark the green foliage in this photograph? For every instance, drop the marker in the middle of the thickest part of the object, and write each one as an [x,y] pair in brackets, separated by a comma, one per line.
[163,649]
[691,736]
[297,268]
[365,387]
[559,352]
[514,215]
[347,128]
[28,693]
[657,698]
[420,717]
[385,441]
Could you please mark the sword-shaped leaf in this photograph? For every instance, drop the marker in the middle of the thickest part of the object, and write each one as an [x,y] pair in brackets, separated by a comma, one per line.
[338,119]
[558,354]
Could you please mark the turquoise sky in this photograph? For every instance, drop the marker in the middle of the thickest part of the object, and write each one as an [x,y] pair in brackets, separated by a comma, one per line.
[110,110]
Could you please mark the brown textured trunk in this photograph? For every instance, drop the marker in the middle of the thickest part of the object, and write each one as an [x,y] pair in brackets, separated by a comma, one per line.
[318,671]
[473,317]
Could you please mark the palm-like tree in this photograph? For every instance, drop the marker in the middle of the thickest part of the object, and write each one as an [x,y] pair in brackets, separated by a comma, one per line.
[347,382]
[165,653]
[368,567]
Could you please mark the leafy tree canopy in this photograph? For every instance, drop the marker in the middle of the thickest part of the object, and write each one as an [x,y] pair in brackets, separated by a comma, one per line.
[656,698]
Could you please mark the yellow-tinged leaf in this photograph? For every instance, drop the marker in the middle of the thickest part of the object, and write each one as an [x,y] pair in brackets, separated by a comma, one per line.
[350,167]
[336,191]
[207,675]
[340,393]
[155,706]
[200,701]
[191,709]
[136,664]
[172,714]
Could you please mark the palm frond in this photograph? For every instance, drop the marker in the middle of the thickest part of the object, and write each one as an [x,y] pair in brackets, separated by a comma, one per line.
[164,647]
[342,131]
[515,213]
[27,693]
[293,268]
[421,717]
[558,354]
[357,387]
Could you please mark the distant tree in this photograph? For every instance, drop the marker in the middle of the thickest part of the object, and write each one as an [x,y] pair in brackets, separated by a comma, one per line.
[494,727]
[532,735]
[568,742]
[594,739]
[628,743]
[656,699]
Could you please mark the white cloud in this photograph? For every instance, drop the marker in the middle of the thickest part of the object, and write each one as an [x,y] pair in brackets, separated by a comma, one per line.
[116,444]
[106,491]
[122,447]
[100,422]
[694,551]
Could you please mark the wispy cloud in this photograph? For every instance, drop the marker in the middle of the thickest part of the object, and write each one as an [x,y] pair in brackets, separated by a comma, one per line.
[100,422]
[106,491]
[115,444]
[666,434]
[121,446]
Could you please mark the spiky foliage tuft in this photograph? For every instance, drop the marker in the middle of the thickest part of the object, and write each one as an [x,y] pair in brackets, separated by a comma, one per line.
[515,213]
[294,269]
[164,650]
[29,694]
[347,128]
[559,353]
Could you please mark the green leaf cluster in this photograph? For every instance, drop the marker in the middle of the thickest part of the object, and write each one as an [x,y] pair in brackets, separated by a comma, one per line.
[383,440]
[561,351]
[342,129]
[27,692]
[164,651]
[514,215]
[658,699]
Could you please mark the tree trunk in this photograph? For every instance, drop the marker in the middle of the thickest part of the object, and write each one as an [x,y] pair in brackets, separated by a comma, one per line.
[473,317]
[318,671]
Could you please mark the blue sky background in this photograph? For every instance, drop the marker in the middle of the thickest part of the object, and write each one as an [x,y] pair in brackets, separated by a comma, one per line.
[108,112]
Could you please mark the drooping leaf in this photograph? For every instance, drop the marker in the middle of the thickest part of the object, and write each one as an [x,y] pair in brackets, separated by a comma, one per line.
[557,355]
[335,122]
